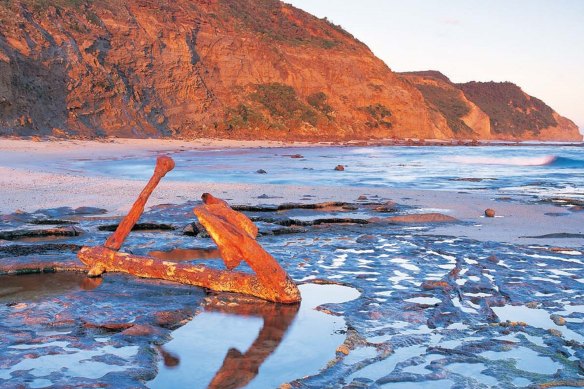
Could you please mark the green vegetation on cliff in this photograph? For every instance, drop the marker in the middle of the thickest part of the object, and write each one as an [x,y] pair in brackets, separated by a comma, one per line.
[448,101]
[511,110]
[283,103]
[269,18]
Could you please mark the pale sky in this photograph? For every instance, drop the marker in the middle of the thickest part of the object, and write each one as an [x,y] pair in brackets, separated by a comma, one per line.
[536,44]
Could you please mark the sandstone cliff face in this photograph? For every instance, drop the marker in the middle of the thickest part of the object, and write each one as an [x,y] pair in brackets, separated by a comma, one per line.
[490,110]
[465,118]
[256,69]
[229,68]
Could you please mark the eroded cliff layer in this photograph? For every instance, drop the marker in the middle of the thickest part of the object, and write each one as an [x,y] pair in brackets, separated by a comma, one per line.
[229,68]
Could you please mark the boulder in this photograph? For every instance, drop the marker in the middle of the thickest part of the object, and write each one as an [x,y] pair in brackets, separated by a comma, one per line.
[489,212]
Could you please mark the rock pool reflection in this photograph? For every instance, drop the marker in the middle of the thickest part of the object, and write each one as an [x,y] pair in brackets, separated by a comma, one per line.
[34,287]
[280,342]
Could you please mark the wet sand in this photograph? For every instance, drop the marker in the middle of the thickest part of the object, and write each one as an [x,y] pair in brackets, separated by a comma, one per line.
[31,178]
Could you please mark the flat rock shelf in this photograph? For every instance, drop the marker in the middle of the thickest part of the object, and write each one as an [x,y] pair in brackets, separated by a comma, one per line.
[408,307]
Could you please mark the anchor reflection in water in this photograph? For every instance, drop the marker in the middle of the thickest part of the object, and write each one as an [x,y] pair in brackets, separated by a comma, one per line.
[277,343]
[238,369]
[169,359]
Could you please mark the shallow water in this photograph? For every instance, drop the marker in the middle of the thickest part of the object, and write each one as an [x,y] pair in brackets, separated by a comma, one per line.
[533,170]
[33,287]
[225,348]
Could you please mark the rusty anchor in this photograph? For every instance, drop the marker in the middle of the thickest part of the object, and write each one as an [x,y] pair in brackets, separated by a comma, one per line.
[233,233]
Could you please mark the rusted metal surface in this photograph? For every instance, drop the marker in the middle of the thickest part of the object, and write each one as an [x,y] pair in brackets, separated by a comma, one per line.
[164,164]
[236,218]
[233,232]
[101,259]
[236,244]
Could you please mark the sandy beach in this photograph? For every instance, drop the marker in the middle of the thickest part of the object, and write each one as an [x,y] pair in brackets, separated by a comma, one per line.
[34,175]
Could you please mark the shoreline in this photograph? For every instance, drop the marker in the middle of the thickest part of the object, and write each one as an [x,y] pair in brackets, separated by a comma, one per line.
[215,143]
[30,180]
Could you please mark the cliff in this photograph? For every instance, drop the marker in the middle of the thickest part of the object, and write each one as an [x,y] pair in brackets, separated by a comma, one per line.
[491,110]
[247,69]
[227,68]
[516,115]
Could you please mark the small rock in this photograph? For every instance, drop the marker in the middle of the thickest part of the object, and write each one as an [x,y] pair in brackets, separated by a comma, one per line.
[191,229]
[171,319]
[532,304]
[512,324]
[432,284]
[89,211]
[489,212]
[295,156]
[261,171]
[559,320]
[140,330]
[340,168]
[493,259]
[343,349]
[202,231]
[389,206]
[555,332]
[366,239]
[454,272]
[362,197]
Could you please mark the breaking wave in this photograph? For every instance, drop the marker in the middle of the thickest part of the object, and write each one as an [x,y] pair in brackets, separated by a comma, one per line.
[567,162]
[548,160]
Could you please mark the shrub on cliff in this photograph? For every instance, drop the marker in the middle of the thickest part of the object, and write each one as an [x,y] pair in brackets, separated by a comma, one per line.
[282,102]
[379,115]
[510,109]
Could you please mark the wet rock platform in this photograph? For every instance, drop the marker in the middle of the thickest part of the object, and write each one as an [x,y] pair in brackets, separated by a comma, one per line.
[433,311]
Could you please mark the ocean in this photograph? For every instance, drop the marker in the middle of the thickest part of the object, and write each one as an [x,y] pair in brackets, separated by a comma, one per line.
[539,171]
